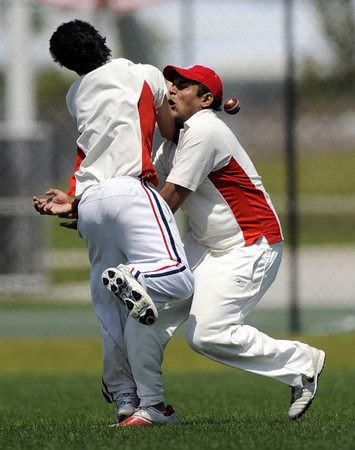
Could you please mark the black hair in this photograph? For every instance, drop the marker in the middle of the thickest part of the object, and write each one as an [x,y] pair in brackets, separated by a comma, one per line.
[78,46]
[202,89]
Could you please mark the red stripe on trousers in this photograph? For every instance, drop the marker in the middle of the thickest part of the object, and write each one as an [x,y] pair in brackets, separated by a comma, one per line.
[158,222]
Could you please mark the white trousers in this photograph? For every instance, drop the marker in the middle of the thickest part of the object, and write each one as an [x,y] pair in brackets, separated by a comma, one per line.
[124,221]
[146,346]
[228,286]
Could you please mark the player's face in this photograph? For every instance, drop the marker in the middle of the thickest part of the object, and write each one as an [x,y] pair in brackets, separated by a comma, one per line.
[183,99]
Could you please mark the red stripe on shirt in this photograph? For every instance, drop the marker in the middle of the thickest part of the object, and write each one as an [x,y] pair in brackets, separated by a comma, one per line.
[80,156]
[147,114]
[248,204]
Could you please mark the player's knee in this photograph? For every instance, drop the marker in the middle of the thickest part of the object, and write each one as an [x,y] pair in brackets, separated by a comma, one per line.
[198,336]
[179,286]
[185,288]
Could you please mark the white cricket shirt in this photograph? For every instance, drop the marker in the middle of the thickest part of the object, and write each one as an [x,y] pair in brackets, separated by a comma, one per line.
[115,108]
[228,204]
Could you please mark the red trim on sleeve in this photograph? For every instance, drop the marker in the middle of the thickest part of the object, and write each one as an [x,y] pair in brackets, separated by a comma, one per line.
[248,204]
[147,114]
[80,156]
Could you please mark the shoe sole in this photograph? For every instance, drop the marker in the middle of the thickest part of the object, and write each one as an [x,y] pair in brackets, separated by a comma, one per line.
[137,301]
[137,420]
[319,369]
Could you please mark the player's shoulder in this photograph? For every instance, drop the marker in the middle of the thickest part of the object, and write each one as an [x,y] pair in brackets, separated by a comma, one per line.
[206,124]
[122,64]
[205,118]
[119,62]
[149,70]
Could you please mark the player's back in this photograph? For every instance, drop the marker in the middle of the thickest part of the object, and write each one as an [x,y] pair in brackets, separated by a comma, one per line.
[115,137]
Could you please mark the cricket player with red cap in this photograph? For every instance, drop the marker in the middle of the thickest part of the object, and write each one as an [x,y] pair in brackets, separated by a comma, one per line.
[235,244]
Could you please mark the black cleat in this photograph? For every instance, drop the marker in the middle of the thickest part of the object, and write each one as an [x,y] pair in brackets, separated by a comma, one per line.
[127,288]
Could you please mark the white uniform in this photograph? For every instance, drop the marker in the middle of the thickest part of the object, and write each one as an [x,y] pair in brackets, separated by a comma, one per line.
[122,219]
[234,249]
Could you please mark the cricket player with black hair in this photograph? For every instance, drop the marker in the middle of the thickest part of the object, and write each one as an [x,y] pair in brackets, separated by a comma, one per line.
[139,271]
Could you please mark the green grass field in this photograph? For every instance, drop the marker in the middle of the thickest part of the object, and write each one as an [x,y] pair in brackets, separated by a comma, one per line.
[50,399]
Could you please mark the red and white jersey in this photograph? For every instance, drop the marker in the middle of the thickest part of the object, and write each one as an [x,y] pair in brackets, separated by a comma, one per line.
[115,107]
[228,204]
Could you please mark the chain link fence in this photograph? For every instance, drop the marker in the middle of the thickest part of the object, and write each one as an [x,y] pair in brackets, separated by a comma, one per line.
[261,50]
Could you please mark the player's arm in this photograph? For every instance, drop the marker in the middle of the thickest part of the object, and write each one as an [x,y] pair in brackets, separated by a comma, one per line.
[165,121]
[174,195]
[59,204]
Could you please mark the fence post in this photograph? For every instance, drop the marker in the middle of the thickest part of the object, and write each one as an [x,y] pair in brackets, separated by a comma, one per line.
[291,166]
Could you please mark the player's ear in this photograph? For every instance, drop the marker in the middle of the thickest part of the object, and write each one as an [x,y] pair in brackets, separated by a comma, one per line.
[207,100]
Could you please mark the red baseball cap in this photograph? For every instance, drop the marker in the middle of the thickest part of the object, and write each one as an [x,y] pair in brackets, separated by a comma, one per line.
[198,73]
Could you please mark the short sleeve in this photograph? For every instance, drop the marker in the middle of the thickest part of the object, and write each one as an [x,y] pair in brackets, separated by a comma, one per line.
[196,157]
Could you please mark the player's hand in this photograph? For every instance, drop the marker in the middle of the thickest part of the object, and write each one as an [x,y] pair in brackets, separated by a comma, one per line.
[69,215]
[59,203]
[40,204]
[72,225]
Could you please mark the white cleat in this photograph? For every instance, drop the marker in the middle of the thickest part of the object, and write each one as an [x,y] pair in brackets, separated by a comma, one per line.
[148,415]
[126,287]
[302,397]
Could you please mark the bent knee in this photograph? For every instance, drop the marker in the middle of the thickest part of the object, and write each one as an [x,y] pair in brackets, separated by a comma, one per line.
[199,338]
[210,340]
[185,288]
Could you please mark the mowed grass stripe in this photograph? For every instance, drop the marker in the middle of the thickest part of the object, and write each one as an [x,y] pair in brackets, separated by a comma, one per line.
[83,355]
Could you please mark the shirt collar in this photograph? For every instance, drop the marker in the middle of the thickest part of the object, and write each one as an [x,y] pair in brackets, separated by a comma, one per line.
[196,116]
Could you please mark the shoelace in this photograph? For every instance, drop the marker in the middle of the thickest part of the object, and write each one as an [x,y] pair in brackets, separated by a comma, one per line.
[296,393]
[126,402]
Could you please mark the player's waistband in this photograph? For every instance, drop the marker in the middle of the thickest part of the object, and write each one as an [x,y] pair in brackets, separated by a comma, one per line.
[114,186]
